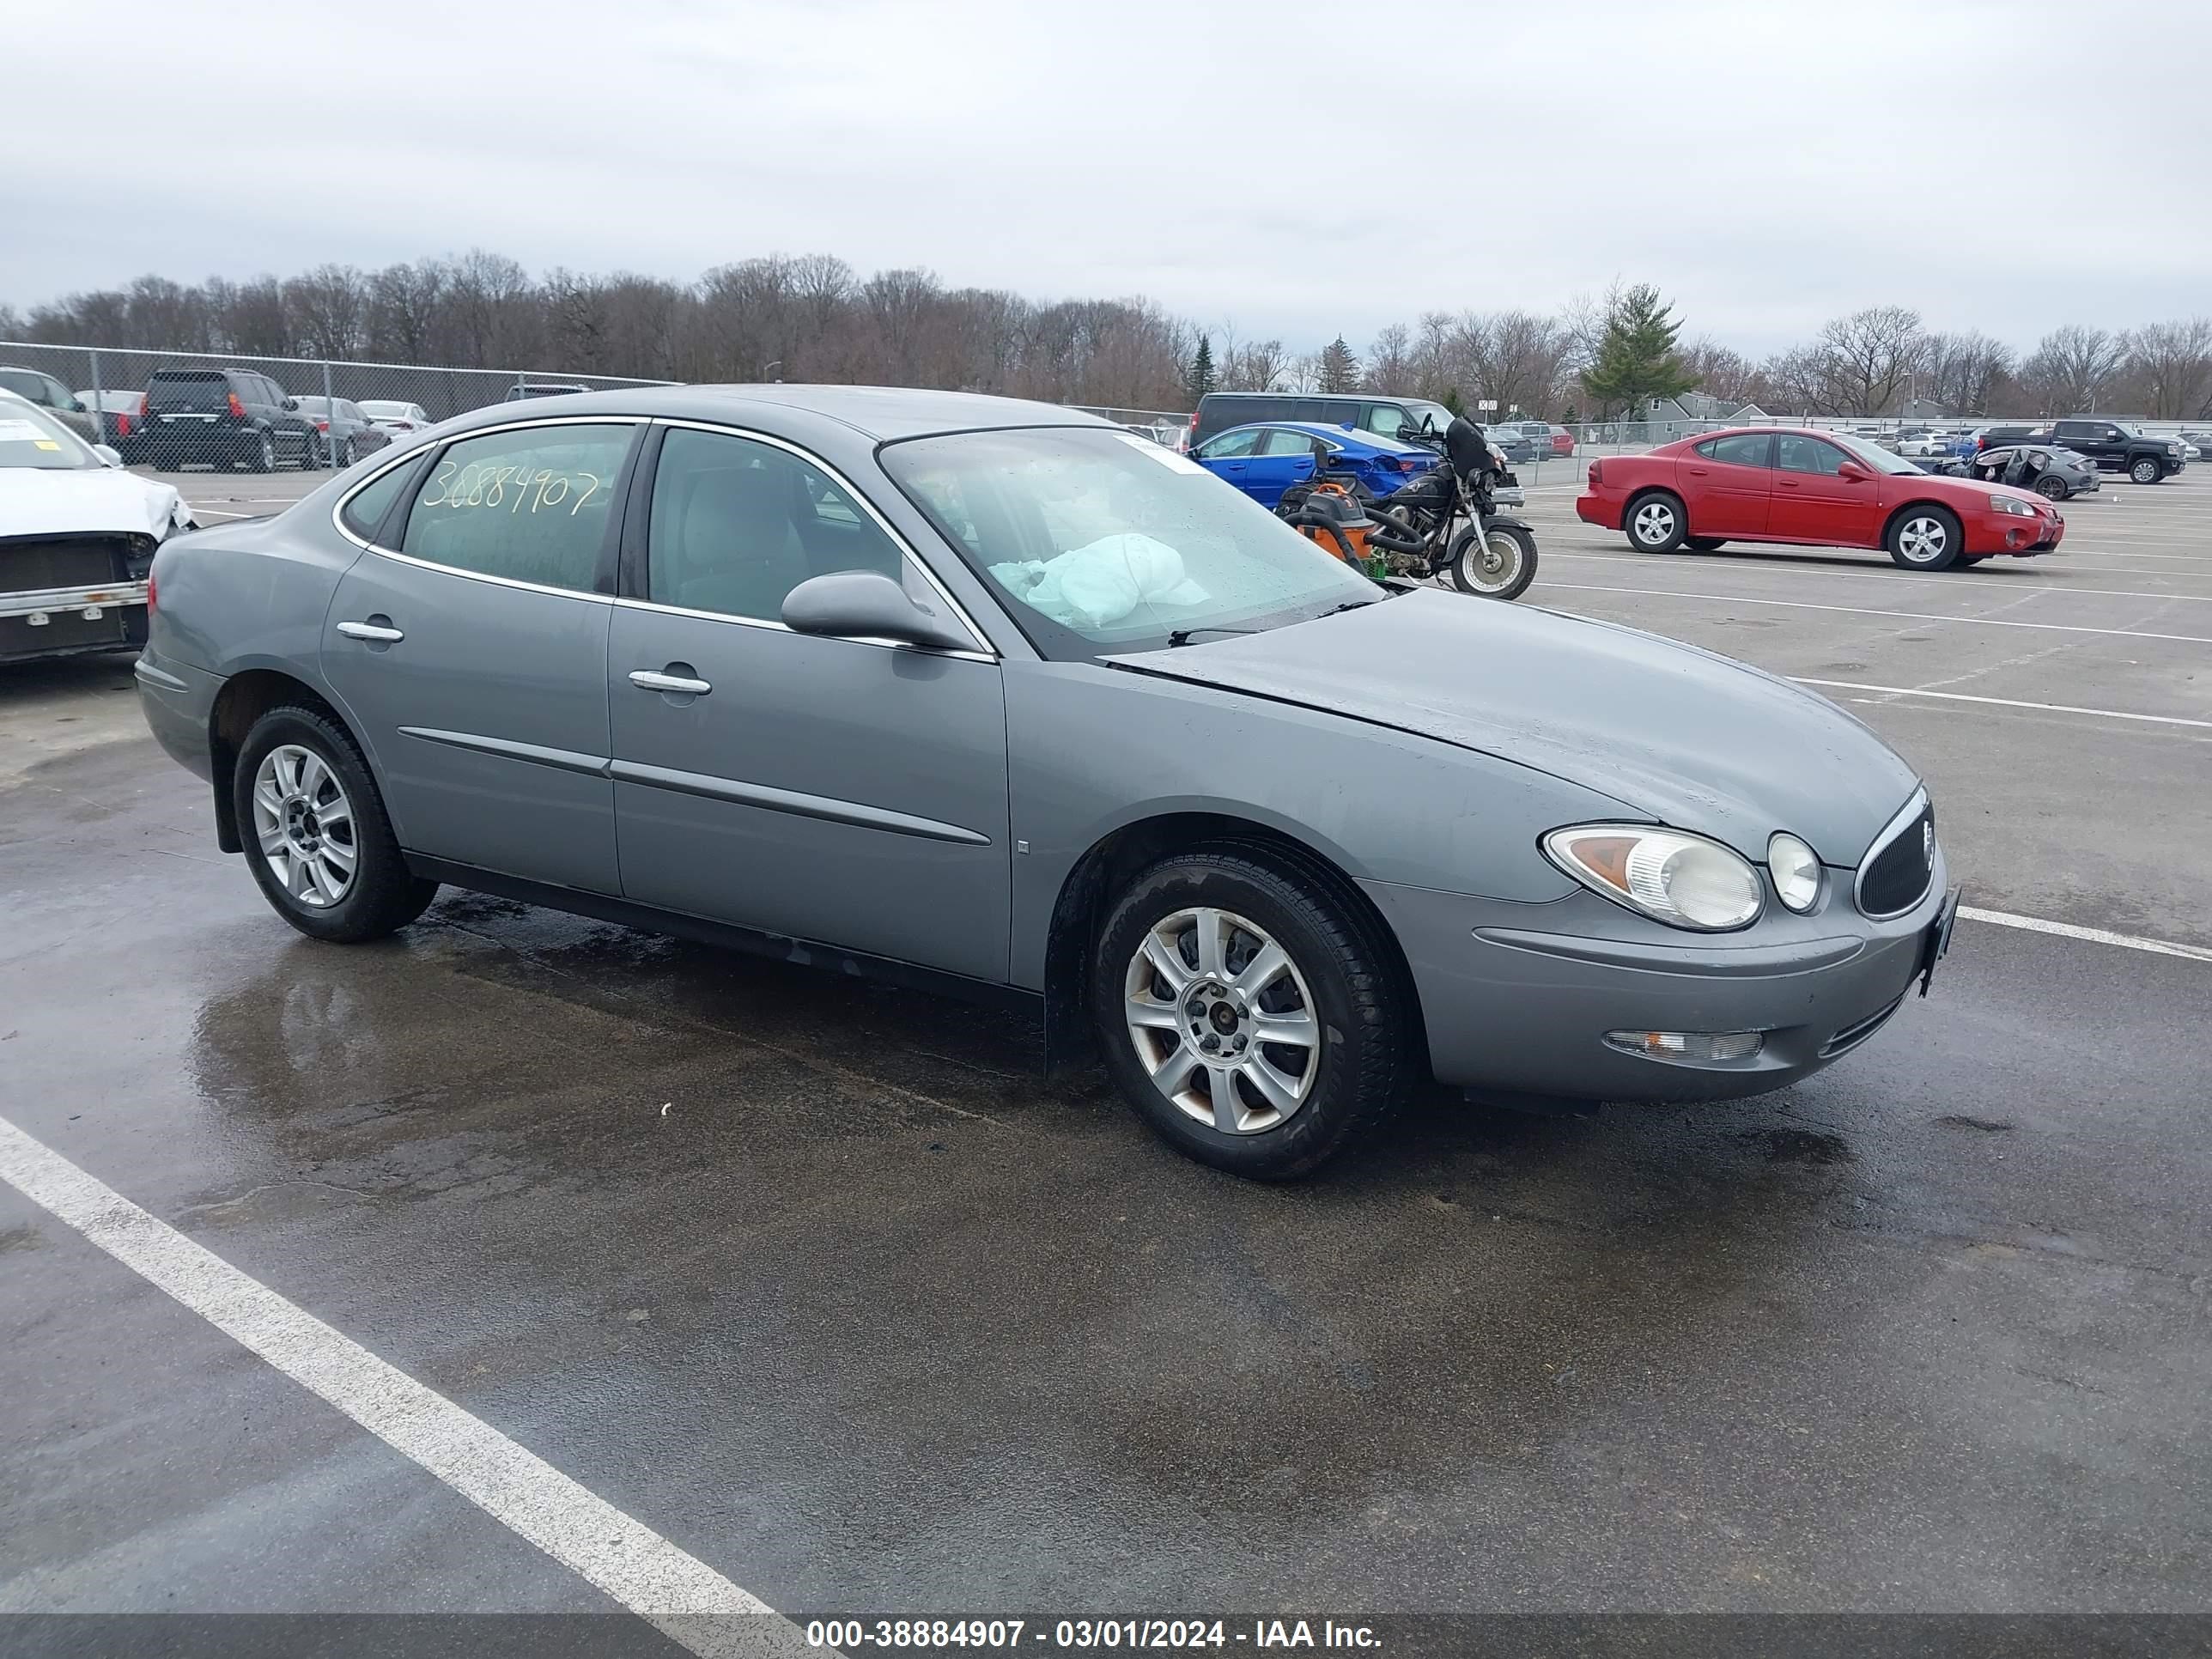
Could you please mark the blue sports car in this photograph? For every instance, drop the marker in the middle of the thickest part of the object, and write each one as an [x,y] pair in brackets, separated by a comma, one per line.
[1265,460]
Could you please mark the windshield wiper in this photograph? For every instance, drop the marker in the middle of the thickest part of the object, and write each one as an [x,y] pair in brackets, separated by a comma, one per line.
[1183,636]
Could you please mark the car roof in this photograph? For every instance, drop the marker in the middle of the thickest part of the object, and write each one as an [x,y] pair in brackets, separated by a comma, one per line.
[884,413]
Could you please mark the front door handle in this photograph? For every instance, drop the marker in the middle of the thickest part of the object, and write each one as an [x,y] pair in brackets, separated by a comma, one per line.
[372,631]
[646,680]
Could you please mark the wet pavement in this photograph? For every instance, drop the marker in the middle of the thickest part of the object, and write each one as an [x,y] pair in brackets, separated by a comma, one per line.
[824,1283]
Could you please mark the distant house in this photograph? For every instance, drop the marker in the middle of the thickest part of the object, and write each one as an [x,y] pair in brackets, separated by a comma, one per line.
[1694,411]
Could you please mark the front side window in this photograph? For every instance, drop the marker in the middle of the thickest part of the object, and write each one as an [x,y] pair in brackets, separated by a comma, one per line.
[1797,453]
[737,525]
[1102,543]
[531,505]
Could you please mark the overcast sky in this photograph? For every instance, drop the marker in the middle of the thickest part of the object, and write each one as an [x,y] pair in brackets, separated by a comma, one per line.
[1769,163]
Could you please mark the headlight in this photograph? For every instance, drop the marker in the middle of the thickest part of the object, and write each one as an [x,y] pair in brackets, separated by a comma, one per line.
[2012,504]
[1796,871]
[1683,880]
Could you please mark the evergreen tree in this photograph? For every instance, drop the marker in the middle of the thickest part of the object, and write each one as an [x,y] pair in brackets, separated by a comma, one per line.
[1199,379]
[1637,360]
[1453,401]
[1340,369]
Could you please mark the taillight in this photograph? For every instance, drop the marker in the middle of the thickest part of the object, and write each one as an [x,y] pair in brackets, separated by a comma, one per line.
[322,426]
[237,409]
[149,592]
[122,423]
[1597,473]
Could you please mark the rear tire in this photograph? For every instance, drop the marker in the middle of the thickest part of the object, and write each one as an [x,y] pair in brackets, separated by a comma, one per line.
[2050,489]
[1344,1058]
[261,456]
[317,836]
[1506,572]
[2144,470]
[1656,522]
[1926,538]
[1704,544]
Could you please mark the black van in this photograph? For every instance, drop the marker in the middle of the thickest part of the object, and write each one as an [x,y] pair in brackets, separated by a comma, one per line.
[1368,411]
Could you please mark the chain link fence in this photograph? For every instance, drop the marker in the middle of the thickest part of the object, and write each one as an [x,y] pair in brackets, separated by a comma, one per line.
[335,408]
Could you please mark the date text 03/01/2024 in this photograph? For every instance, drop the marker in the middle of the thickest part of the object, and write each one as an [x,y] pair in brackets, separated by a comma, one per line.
[1008,1635]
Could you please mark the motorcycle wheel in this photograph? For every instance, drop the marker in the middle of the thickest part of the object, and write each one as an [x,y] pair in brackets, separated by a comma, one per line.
[1501,570]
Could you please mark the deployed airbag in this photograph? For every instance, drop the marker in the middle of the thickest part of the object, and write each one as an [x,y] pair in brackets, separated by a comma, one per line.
[1102,581]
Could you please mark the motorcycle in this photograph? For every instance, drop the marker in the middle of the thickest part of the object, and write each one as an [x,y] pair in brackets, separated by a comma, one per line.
[1446,522]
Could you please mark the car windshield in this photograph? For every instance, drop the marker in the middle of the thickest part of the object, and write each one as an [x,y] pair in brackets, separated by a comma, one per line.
[1872,454]
[29,438]
[1102,543]
[312,405]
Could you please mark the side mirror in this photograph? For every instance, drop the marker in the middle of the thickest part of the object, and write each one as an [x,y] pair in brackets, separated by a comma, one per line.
[108,454]
[291,403]
[1408,433]
[867,604]
[1852,473]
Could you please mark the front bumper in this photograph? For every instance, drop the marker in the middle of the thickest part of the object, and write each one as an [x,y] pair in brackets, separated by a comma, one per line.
[1518,996]
[2004,532]
[60,622]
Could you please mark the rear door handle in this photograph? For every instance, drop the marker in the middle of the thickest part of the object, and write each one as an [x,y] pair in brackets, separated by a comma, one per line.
[362,630]
[647,679]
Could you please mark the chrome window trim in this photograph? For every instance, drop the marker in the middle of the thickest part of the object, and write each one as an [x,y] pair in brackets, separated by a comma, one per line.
[415,451]
[730,428]
[1904,818]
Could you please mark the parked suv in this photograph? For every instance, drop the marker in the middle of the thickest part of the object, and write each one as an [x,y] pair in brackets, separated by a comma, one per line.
[2115,446]
[226,417]
[1374,412]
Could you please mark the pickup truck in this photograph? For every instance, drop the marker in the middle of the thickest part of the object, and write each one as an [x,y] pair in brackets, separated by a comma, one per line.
[2114,446]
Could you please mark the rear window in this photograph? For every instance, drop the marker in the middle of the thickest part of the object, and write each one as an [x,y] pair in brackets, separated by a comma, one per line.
[187,388]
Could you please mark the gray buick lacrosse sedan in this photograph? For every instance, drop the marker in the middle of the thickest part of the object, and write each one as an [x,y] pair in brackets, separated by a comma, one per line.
[1001,699]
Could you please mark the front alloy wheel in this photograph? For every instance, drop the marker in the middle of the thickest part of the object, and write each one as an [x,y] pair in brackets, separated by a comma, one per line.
[2145,470]
[1498,563]
[1926,538]
[1222,1021]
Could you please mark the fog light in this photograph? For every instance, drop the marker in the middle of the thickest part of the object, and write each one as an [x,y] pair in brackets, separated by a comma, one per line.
[1688,1047]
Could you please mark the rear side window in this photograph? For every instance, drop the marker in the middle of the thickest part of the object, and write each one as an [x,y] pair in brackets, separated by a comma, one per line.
[530,506]
[1744,449]
[1281,440]
[367,508]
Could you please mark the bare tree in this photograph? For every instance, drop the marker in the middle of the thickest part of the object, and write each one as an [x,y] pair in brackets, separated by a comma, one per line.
[1724,373]
[1963,371]
[1867,357]
[2070,368]
[1261,366]
[1390,360]
[2172,365]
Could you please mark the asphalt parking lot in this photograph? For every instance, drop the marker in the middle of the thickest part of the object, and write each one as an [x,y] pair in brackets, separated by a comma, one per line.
[823,1284]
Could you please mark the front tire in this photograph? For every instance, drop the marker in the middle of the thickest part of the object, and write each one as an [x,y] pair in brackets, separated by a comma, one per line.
[317,836]
[1656,523]
[1252,1017]
[1499,565]
[1926,538]
[2145,470]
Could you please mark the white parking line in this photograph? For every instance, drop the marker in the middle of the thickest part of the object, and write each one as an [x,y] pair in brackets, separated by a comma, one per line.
[628,1560]
[2002,702]
[2091,935]
[1863,610]
[199,512]
[1875,572]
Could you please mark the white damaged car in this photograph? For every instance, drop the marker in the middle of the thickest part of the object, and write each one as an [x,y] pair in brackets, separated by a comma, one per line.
[77,535]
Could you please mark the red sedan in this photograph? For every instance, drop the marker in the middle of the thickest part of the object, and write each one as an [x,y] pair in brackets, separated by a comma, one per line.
[1821,488]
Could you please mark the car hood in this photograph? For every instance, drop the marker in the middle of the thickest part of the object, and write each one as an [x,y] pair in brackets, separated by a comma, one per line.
[104,501]
[1674,733]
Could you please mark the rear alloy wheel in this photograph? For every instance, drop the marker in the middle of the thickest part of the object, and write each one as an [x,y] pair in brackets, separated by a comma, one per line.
[263,455]
[1249,1016]
[317,837]
[2050,489]
[1926,538]
[1655,524]
[1500,568]
[2145,470]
